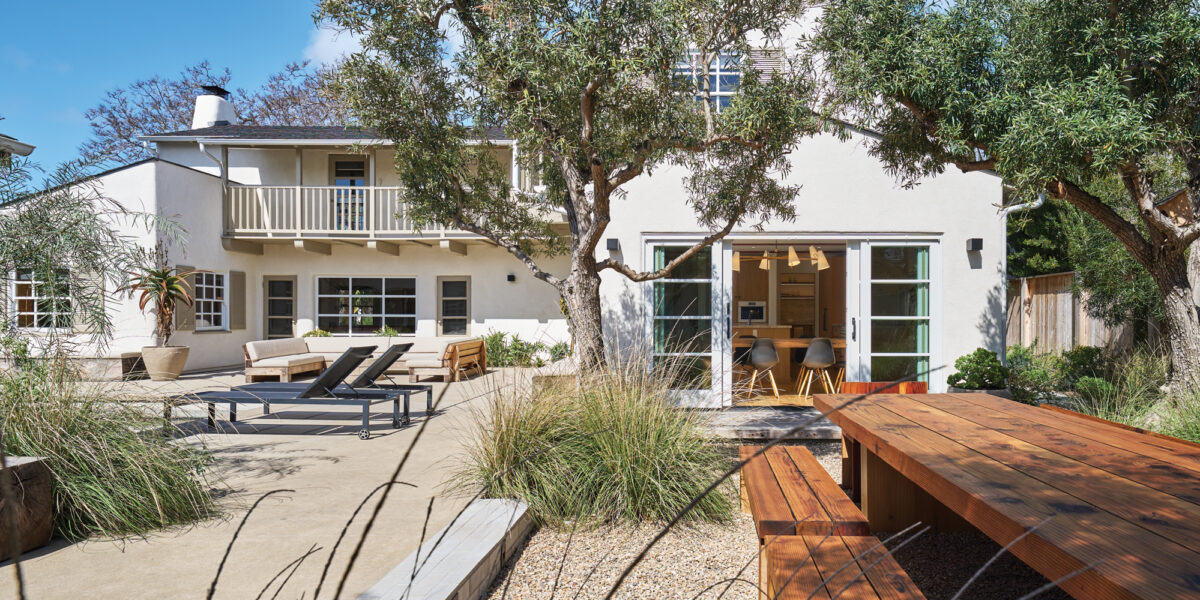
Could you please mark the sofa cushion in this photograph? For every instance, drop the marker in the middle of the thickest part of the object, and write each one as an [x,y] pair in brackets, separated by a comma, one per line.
[291,360]
[424,360]
[259,350]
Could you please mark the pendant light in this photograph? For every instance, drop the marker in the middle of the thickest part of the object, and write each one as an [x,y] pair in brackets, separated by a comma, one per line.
[765,263]
[793,260]
[818,258]
[737,260]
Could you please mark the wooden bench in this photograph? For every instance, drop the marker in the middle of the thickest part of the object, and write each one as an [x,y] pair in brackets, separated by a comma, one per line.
[800,566]
[459,357]
[789,493]
[282,359]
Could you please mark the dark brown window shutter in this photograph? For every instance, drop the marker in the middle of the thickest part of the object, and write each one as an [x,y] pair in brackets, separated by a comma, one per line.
[237,300]
[185,315]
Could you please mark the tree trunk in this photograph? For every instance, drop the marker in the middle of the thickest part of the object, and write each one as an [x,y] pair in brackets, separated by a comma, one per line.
[581,292]
[1182,334]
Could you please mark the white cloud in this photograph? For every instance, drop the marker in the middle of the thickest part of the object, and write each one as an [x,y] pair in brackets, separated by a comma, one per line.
[328,45]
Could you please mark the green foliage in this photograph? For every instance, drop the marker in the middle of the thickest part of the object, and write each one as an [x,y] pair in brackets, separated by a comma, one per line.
[559,351]
[1035,242]
[1094,390]
[1032,377]
[1085,361]
[317,333]
[611,447]
[386,331]
[504,350]
[162,288]
[114,473]
[1183,420]
[979,370]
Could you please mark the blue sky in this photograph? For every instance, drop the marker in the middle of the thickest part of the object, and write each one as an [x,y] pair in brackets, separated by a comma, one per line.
[57,59]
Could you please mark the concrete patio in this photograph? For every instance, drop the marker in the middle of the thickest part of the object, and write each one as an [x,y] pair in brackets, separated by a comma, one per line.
[312,451]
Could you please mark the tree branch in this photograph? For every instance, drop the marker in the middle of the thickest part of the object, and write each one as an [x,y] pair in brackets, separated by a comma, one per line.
[513,249]
[1125,231]
[635,275]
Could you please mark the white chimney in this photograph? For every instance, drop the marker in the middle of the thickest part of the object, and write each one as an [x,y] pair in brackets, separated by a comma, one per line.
[213,108]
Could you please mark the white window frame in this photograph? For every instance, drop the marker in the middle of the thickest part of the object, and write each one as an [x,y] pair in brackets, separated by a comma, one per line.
[224,300]
[15,313]
[690,68]
[382,316]
[442,298]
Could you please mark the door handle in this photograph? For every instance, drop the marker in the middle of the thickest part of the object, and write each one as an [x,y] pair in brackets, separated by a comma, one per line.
[853,329]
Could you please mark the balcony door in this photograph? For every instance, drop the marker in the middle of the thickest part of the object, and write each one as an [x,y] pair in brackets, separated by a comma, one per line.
[348,175]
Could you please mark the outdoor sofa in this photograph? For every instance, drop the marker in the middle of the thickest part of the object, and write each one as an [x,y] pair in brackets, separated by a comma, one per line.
[448,357]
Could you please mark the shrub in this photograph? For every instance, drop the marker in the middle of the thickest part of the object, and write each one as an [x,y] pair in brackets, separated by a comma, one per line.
[1135,391]
[1032,378]
[1183,419]
[980,370]
[610,447]
[559,351]
[1084,361]
[1094,389]
[114,472]
[386,331]
[317,333]
[504,350]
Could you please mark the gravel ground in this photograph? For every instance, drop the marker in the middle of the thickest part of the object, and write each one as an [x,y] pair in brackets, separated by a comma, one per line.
[692,558]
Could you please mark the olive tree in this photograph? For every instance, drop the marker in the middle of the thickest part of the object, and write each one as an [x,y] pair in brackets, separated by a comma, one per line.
[594,96]
[1055,96]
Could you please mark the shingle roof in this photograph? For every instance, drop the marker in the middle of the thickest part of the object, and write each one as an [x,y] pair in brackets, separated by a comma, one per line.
[261,132]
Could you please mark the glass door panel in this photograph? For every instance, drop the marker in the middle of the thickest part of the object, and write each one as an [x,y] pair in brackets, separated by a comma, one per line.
[681,305]
[280,293]
[898,300]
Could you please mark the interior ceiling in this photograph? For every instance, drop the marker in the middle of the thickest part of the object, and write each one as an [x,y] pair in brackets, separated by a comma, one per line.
[800,247]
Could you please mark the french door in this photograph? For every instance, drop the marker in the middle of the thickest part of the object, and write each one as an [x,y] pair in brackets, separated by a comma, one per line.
[687,320]
[280,309]
[893,311]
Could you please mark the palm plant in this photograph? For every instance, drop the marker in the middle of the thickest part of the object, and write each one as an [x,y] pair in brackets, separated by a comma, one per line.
[164,287]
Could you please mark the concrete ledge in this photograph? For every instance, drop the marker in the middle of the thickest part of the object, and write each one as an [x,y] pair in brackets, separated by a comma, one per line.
[460,561]
[769,423]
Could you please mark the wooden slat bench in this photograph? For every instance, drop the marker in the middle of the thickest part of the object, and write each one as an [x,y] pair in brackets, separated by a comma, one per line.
[799,566]
[459,357]
[789,493]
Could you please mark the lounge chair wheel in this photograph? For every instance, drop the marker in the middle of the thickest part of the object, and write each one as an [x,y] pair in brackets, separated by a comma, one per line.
[364,434]
[397,423]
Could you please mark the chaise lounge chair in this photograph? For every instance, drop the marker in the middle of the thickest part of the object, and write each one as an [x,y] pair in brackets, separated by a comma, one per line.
[324,390]
[366,381]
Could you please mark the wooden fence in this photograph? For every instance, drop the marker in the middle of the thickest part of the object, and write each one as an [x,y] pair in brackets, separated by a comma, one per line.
[1045,309]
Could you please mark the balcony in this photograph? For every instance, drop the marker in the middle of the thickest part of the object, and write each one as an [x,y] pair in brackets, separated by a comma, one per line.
[316,212]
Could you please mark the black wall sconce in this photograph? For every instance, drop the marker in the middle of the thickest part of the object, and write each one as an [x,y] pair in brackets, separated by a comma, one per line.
[511,278]
[613,244]
[975,245]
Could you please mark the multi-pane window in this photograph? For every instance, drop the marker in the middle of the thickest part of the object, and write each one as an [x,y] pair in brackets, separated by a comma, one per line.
[724,76]
[364,305]
[210,303]
[682,304]
[900,316]
[42,302]
[454,305]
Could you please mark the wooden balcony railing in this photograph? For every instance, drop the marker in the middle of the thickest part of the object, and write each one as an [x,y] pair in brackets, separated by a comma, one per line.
[255,211]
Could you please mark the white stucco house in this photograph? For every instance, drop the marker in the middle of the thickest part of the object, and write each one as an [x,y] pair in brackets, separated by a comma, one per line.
[296,231]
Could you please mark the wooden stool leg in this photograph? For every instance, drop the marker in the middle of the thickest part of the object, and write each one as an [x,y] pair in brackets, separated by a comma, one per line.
[753,380]
[774,389]
[807,383]
[841,376]
[827,381]
[799,378]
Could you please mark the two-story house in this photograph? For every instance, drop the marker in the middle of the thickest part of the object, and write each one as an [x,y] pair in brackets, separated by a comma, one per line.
[298,228]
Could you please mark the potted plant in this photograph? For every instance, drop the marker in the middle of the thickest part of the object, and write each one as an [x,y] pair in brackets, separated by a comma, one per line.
[979,371]
[162,287]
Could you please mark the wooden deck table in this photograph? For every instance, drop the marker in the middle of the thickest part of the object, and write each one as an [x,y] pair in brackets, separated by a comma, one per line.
[1121,504]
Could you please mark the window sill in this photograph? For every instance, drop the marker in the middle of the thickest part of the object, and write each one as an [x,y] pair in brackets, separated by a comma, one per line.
[206,331]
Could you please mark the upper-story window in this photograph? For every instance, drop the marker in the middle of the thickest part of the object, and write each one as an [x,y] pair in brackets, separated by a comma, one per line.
[41,302]
[724,76]
[211,307]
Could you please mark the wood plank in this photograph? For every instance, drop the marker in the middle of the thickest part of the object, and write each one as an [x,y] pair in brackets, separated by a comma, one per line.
[846,517]
[791,572]
[830,555]
[1154,511]
[1160,475]
[1095,419]
[767,502]
[805,509]
[1182,455]
[887,577]
[1003,503]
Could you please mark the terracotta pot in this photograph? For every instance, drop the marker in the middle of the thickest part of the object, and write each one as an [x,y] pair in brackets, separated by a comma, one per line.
[164,363]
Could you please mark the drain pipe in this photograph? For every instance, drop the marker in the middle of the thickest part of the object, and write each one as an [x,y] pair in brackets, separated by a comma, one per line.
[220,167]
[1004,212]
